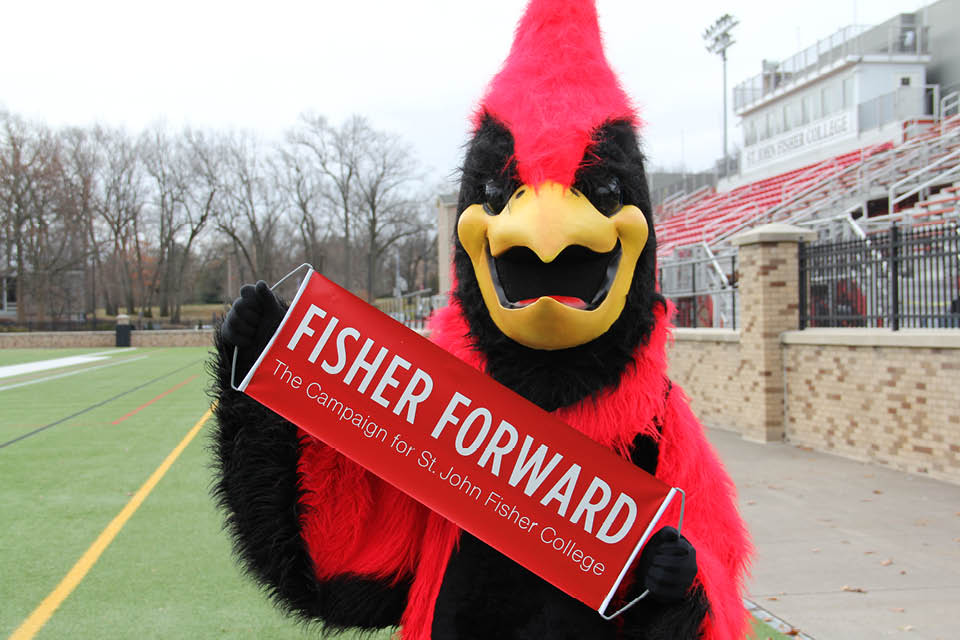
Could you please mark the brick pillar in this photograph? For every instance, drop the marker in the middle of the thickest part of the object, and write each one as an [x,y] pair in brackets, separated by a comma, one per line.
[769,295]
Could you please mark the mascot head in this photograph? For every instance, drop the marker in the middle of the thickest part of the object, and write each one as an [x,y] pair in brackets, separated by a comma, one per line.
[554,250]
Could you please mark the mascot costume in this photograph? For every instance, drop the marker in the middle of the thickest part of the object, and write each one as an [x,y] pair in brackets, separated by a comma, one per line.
[555,298]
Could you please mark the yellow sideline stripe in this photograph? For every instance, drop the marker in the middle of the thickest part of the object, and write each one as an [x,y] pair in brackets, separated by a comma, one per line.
[42,613]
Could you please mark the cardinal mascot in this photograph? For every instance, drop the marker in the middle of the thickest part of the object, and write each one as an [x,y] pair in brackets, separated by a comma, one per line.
[555,298]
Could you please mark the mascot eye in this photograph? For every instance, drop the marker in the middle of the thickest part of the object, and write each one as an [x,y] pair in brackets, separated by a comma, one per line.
[605,195]
[494,197]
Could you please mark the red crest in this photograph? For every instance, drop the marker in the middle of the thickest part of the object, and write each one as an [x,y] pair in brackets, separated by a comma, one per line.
[554,89]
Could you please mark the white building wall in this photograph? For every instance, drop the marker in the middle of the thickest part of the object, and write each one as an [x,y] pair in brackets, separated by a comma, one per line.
[944,20]
[875,79]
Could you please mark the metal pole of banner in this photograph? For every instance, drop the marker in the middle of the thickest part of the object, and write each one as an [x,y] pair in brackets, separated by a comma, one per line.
[646,592]
[236,350]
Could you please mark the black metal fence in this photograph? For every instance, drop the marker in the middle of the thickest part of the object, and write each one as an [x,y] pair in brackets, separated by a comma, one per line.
[704,291]
[901,278]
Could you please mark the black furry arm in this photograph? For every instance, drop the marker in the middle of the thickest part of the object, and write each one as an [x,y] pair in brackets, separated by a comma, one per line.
[257,485]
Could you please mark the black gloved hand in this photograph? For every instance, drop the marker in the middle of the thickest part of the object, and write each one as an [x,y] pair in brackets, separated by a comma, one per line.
[667,566]
[252,319]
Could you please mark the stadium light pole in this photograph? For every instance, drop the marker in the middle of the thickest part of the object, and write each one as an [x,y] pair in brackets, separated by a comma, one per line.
[718,39]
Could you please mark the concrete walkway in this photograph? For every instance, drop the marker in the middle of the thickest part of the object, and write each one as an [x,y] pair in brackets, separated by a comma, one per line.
[847,550]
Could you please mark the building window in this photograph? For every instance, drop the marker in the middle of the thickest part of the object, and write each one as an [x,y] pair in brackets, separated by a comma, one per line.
[830,99]
[794,114]
[811,107]
[774,122]
[749,132]
[848,93]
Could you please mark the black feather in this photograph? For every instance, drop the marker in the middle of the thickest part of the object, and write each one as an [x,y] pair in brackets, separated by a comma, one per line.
[486,595]
[652,620]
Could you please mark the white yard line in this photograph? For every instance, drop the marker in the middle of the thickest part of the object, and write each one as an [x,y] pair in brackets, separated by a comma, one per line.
[112,352]
[55,363]
[70,373]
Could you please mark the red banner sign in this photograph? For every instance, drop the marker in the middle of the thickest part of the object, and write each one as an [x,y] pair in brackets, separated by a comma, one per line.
[516,477]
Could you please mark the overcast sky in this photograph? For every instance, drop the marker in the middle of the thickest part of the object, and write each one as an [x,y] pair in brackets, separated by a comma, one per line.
[414,67]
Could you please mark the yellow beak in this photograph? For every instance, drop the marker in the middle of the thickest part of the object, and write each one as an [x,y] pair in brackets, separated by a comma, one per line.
[546,220]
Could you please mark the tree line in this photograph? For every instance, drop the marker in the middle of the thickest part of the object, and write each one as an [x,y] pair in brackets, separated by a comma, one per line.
[98,218]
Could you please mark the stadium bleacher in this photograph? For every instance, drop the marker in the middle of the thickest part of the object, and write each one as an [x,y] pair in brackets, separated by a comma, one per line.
[708,216]
[921,175]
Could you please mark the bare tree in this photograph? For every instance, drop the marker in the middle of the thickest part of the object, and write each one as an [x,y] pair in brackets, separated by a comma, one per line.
[166,196]
[366,182]
[19,159]
[249,210]
[302,186]
[93,215]
[196,210]
[337,154]
[40,242]
[417,254]
[80,164]
[387,175]
[120,208]
[183,200]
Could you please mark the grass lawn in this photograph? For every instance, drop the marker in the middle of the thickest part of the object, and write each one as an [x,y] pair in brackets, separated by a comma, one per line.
[763,631]
[73,450]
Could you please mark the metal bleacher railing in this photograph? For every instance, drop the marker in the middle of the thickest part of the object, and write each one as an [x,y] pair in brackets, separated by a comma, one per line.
[680,200]
[897,172]
[703,286]
[899,105]
[937,172]
[914,178]
[949,106]
[850,41]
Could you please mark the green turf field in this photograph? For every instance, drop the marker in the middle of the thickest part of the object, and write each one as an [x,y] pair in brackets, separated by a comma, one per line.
[73,451]
[762,631]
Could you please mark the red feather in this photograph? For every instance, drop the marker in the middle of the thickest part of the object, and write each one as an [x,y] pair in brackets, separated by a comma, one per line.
[353,522]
